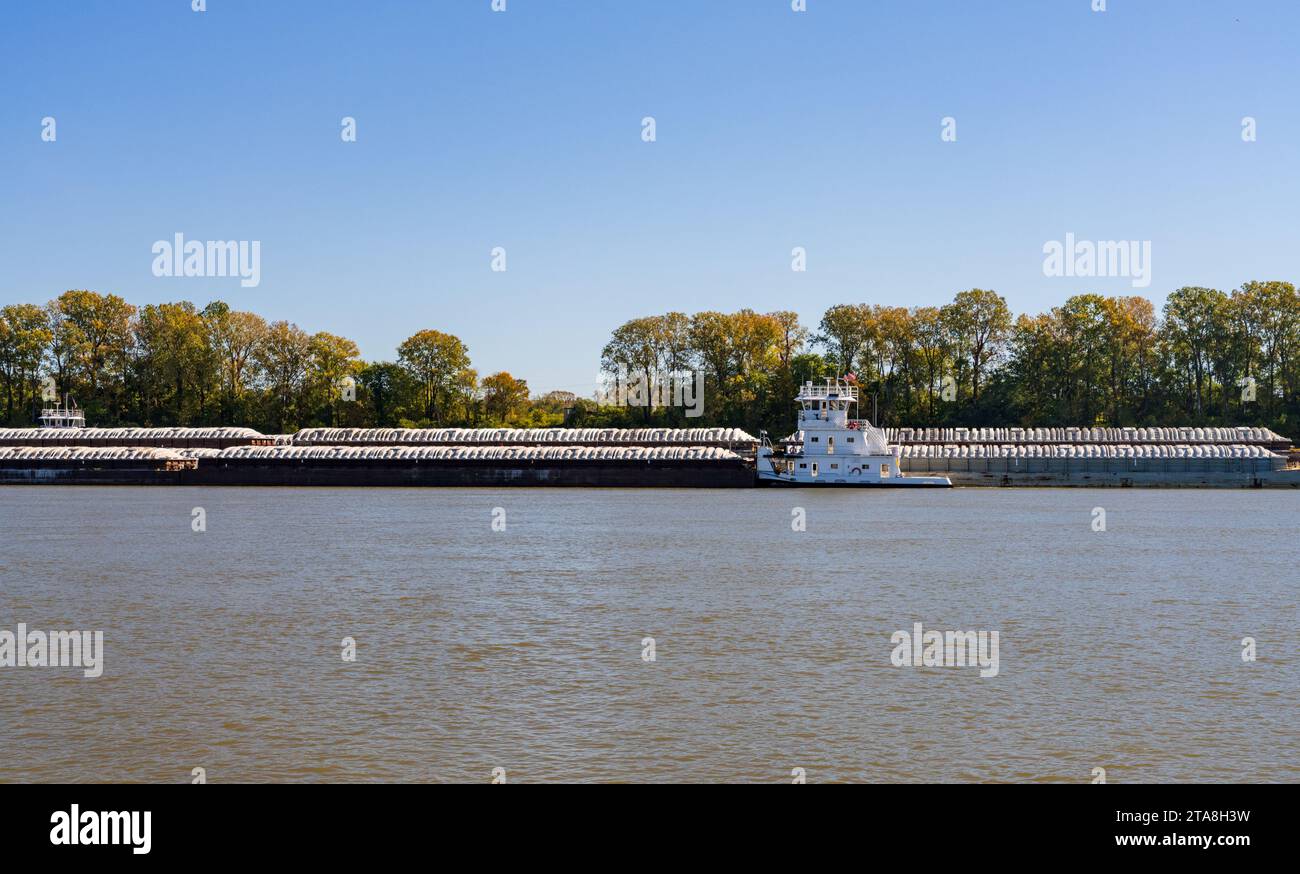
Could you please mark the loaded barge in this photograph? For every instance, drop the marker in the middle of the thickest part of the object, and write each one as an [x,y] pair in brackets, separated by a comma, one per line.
[828,449]
[673,457]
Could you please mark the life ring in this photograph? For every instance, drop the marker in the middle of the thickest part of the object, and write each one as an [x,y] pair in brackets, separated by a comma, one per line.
[857,470]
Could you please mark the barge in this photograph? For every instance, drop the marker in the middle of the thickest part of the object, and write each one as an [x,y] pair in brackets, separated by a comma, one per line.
[262,462]
[67,452]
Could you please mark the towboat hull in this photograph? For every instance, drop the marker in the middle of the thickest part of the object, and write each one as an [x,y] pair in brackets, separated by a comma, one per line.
[907,482]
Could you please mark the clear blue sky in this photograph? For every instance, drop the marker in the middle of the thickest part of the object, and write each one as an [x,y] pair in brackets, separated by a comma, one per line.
[522,129]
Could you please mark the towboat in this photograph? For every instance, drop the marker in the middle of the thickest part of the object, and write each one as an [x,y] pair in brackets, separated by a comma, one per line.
[831,449]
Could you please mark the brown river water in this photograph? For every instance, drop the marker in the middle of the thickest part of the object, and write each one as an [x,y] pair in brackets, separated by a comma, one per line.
[522,649]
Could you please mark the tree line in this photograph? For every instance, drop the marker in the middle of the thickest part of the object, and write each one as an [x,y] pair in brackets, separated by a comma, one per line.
[177,364]
[1206,358]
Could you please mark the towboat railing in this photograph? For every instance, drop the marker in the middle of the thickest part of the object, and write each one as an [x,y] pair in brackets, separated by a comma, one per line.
[841,391]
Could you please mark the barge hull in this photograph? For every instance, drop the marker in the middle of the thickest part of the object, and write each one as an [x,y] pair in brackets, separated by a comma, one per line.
[1197,473]
[221,474]
[92,476]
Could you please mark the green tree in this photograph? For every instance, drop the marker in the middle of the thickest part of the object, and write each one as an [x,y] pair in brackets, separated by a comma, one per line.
[174,356]
[1271,315]
[331,360]
[388,391]
[638,347]
[439,365]
[981,320]
[235,337]
[933,351]
[844,332]
[283,358]
[1195,323]
[24,337]
[94,335]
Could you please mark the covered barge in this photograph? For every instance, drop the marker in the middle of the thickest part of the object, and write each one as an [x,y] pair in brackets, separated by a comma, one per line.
[676,458]
[684,457]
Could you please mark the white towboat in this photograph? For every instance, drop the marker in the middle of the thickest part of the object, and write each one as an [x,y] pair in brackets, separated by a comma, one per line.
[830,449]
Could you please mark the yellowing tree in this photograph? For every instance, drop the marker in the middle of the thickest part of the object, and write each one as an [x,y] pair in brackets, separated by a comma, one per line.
[504,397]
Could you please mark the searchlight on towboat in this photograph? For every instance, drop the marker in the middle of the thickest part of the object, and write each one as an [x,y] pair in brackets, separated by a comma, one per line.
[830,449]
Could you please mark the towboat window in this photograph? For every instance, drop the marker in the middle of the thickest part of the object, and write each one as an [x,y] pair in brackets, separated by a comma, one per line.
[884,470]
[835,467]
[815,439]
[803,466]
[849,439]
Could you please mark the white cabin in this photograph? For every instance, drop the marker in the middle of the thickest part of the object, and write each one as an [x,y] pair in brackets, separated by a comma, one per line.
[65,416]
[830,448]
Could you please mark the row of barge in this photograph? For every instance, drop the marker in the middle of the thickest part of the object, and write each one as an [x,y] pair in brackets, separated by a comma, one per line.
[683,457]
[698,457]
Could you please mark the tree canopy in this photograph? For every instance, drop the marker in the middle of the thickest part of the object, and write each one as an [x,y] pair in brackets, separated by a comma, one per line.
[1206,357]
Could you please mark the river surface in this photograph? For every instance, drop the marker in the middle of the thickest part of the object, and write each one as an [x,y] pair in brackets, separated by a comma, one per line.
[522,649]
